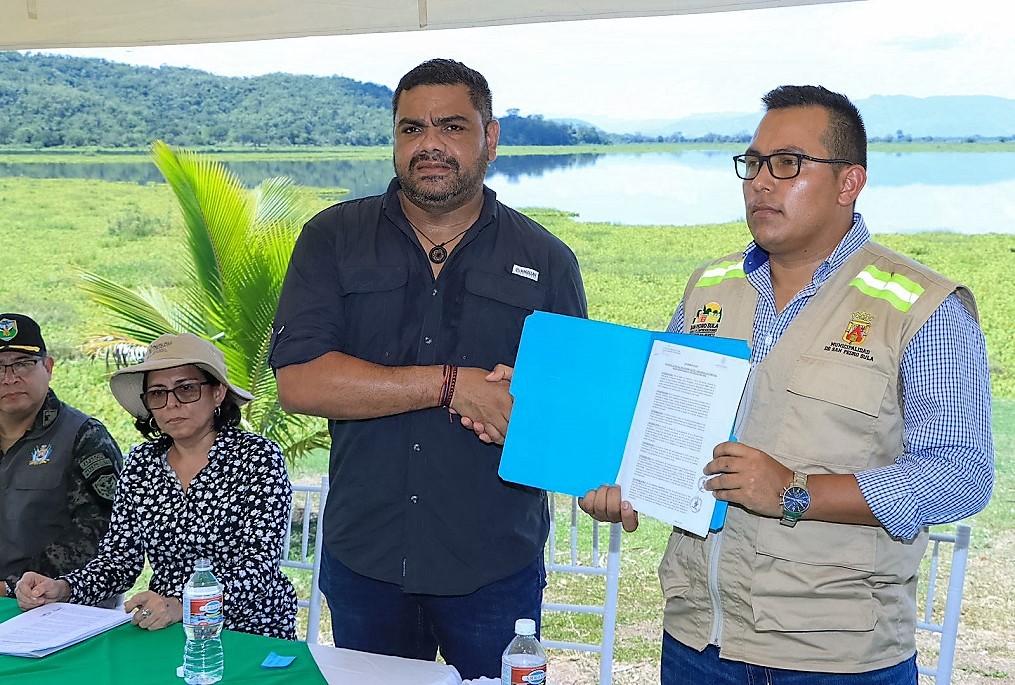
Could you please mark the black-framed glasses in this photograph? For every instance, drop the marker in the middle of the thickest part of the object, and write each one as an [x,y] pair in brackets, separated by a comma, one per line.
[781,165]
[20,368]
[185,393]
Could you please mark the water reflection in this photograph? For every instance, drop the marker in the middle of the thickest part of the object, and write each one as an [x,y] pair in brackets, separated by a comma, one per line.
[906,192]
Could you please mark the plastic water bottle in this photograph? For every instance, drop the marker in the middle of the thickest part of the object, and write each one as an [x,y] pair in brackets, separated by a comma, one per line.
[203,663]
[524,661]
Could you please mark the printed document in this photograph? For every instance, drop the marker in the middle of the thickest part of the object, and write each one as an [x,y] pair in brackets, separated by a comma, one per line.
[687,403]
[52,627]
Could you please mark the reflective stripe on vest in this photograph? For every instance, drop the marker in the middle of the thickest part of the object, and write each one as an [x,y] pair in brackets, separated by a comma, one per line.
[715,275]
[896,289]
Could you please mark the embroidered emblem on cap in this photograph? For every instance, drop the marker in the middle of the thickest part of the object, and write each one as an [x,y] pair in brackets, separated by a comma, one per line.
[8,329]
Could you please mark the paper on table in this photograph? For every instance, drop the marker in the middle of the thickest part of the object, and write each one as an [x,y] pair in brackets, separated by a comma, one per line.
[52,627]
[341,666]
[688,401]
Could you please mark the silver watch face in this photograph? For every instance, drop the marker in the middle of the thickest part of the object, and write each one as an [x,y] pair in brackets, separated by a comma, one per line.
[796,499]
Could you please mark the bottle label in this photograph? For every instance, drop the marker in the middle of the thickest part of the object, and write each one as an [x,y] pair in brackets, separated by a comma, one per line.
[203,611]
[527,675]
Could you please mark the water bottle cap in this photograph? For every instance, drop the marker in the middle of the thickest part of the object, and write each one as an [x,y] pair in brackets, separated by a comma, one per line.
[525,626]
[202,564]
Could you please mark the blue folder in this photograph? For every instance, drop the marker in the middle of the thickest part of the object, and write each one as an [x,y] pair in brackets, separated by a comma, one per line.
[575,387]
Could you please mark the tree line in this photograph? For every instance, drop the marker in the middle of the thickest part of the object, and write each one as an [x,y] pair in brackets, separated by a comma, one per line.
[59,101]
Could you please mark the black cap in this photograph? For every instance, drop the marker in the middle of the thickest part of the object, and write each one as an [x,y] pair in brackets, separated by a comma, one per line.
[19,333]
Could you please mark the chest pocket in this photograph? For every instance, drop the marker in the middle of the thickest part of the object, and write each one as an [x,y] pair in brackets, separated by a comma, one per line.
[41,477]
[845,399]
[375,295]
[37,498]
[493,312]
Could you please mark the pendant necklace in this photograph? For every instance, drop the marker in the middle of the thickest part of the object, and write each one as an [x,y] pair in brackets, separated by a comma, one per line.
[438,253]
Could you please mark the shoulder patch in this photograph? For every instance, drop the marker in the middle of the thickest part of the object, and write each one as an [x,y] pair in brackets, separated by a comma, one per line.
[105,486]
[93,463]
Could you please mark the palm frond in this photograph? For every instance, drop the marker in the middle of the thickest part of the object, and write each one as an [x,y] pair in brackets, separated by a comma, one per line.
[239,243]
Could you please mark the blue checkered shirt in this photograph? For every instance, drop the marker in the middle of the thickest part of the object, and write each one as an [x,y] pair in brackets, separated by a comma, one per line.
[946,472]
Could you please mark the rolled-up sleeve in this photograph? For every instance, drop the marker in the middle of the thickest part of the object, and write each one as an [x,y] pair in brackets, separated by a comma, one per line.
[946,472]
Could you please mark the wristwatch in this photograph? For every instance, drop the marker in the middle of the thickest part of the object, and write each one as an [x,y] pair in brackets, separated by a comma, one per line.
[796,499]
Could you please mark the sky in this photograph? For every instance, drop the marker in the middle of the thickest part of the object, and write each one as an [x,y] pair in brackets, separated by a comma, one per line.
[662,67]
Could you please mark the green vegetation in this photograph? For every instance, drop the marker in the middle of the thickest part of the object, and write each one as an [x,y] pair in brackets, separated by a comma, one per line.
[51,101]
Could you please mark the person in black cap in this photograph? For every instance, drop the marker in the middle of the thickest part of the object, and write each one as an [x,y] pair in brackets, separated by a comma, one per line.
[58,466]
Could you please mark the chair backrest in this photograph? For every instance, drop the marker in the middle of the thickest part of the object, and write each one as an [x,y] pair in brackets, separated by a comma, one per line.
[941,617]
[574,547]
[304,553]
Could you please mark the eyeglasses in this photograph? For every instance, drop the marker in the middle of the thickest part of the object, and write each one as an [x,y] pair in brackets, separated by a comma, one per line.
[781,165]
[157,398]
[20,368]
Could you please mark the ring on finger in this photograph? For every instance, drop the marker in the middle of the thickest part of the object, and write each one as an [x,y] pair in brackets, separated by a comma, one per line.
[145,613]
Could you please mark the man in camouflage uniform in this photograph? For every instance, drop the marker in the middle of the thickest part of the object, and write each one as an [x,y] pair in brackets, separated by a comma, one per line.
[58,467]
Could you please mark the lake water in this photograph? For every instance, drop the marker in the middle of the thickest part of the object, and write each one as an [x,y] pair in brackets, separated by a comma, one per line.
[905,193]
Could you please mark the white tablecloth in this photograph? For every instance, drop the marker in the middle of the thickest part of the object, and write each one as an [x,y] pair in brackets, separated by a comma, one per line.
[345,666]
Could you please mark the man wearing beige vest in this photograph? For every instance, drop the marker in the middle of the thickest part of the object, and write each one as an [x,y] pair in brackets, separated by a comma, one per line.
[866,417]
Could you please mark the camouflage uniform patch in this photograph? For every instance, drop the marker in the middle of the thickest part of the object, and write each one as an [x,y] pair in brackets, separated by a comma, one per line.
[105,486]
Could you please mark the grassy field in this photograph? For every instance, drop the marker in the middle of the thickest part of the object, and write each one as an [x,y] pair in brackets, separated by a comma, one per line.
[633,274]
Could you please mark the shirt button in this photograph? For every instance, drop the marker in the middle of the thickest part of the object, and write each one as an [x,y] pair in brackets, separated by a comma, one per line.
[413,499]
[416,447]
[435,292]
[428,340]
[768,341]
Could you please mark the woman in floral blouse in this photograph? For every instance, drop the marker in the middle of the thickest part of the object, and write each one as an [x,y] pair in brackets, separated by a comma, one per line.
[198,487]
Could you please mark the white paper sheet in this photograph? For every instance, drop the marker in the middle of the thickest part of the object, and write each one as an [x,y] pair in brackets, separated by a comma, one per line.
[687,403]
[52,627]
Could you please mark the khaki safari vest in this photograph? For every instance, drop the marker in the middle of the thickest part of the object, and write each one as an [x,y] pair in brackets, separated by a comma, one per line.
[827,398]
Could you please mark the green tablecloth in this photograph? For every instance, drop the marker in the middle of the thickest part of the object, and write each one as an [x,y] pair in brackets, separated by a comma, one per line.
[128,655]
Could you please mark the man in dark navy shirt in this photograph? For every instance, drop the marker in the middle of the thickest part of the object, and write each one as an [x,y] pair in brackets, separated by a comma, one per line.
[395,310]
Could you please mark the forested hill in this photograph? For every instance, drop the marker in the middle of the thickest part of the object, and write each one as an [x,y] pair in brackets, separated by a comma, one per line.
[49,100]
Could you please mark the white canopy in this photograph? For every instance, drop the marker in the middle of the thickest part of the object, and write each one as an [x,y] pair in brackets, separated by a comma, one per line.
[26,24]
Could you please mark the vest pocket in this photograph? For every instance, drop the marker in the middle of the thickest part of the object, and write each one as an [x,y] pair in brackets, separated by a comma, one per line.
[815,577]
[845,400]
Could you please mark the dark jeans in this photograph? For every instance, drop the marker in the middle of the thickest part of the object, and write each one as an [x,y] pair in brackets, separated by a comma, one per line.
[471,630]
[682,665]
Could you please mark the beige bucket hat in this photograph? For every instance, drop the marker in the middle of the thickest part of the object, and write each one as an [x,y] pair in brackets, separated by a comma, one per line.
[165,352]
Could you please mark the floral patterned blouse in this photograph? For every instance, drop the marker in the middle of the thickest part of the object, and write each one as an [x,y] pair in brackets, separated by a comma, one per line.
[234,512]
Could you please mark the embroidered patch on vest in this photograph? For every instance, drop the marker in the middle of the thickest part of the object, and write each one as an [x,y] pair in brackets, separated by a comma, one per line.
[858,328]
[854,337]
[706,320]
[41,455]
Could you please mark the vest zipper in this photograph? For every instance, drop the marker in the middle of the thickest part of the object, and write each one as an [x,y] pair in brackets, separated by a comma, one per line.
[715,638]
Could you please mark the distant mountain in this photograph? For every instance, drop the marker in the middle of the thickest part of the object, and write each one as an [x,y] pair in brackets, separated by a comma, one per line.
[950,116]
